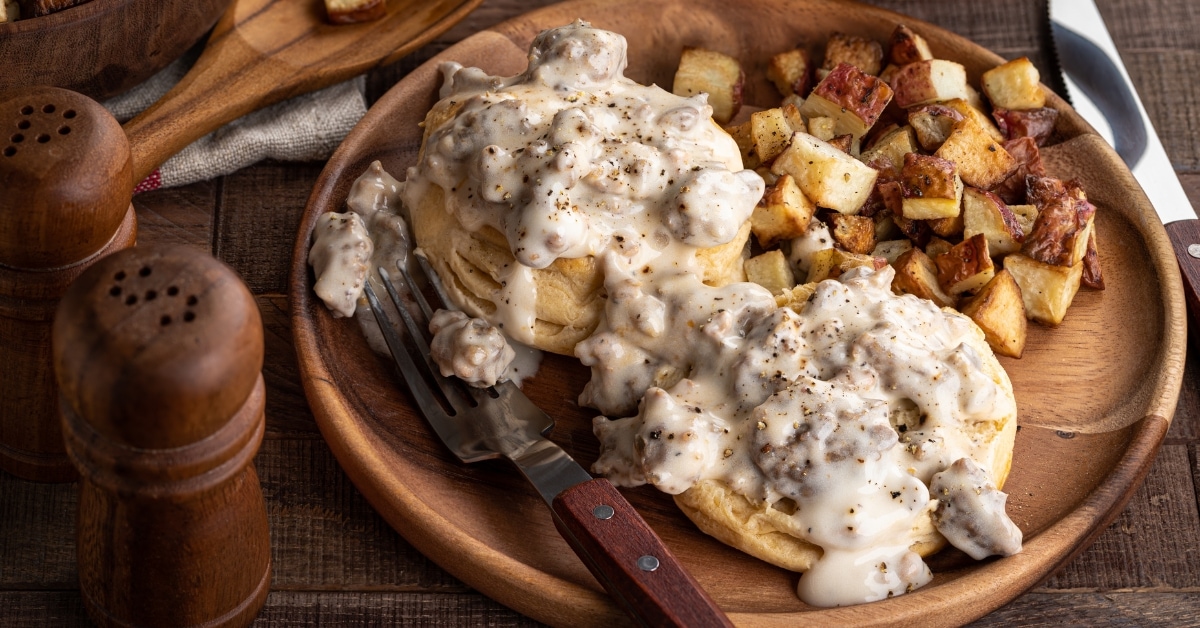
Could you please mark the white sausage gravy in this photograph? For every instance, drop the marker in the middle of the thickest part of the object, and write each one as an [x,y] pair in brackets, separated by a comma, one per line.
[843,411]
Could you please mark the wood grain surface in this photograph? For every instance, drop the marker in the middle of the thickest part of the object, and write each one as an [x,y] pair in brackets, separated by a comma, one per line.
[336,561]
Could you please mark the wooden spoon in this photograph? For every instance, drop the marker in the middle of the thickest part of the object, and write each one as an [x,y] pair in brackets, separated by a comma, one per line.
[264,51]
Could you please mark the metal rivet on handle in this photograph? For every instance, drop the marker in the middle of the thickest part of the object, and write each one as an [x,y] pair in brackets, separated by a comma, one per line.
[603,511]
[1194,250]
[647,563]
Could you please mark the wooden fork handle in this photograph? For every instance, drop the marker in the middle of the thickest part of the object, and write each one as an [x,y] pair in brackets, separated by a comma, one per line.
[629,559]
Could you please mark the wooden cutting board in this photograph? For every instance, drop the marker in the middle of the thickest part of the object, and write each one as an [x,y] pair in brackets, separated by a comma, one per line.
[1095,395]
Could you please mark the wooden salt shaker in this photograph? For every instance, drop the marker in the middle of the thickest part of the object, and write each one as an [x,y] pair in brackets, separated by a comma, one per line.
[65,187]
[159,353]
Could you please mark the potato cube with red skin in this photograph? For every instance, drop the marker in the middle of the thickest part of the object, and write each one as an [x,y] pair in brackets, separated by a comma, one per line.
[782,214]
[982,161]
[1029,162]
[1033,123]
[999,310]
[1060,234]
[984,213]
[931,187]
[929,81]
[932,124]
[916,274]
[966,267]
[791,72]
[771,271]
[831,263]
[770,131]
[852,98]
[864,54]
[826,175]
[1014,85]
[1046,289]
[852,232]
[709,72]
[906,47]
[975,112]
[1092,277]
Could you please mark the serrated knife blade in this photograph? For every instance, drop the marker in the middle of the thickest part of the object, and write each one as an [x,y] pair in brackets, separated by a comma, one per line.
[1100,90]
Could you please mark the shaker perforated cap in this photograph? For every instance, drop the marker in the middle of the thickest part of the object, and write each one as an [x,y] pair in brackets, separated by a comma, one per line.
[157,346]
[66,177]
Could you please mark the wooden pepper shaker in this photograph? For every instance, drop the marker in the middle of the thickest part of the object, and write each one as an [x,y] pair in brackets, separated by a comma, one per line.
[66,180]
[159,353]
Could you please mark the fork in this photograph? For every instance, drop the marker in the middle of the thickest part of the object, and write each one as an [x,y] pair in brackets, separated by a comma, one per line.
[604,530]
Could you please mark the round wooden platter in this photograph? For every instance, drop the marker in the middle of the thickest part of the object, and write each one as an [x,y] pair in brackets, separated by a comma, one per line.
[1095,395]
[103,47]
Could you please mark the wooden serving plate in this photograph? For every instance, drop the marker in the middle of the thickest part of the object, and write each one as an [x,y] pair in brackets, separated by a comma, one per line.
[1095,395]
[103,47]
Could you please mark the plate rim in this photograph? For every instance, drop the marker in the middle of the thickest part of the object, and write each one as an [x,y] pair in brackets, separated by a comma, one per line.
[412,517]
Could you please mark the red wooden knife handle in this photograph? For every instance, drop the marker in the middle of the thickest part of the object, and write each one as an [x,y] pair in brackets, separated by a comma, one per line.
[1185,237]
[629,559]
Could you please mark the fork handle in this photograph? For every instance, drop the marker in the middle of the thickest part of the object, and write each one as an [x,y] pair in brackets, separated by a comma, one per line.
[629,559]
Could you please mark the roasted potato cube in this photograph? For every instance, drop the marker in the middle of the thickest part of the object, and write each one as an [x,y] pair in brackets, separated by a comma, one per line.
[821,127]
[1026,215]
[1014,85]
[852,98]
[1037,124]
[782,214]
[982,161]
[1046,289]
[1060,234]
[894,145]
[966,267]
[864,54]
[795,297]
[931,187]
[791,113]
[999,311]
[929,81]
[916,274]
[745,141]
[907,47]
[791,72]
[853,233]
[891,250]
[984,213]
[885,227]
[771,271]
[1092,277]
[831,263]
[937,246]
[709,72]
[932,124]
[1029,162]
[770,131]
[845,143]
[975,112]
[947,227]
[825,174]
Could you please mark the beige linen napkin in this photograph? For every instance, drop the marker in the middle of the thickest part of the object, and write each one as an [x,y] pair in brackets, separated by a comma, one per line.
[306,128]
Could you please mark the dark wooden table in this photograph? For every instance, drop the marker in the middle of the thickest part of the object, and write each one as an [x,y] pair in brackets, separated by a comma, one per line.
[337,562]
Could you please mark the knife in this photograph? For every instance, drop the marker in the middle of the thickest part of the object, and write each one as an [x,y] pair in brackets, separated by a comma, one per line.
[1099,88]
